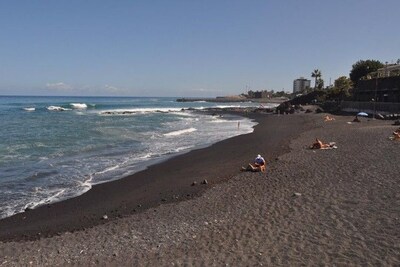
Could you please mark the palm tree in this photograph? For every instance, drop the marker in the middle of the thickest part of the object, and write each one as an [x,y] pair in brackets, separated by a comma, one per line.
[316,74]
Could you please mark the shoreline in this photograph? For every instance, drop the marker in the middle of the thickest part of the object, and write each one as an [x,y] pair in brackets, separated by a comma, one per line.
[163,182]
[311,207]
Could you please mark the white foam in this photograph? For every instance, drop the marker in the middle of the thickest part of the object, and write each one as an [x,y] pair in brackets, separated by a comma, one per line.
[48,200]
[9,211]
[87,184]
[228,106]
[243,105]
[217,120]
[57,108]
[29,109]
[78,105]
[139,111]
[179,149]
[108,169]
[180,132]
[147,156]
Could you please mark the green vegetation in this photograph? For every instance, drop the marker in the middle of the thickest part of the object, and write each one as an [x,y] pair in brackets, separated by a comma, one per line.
[341,90]
[343,86]
[363,67]
[265,94]
[280,94]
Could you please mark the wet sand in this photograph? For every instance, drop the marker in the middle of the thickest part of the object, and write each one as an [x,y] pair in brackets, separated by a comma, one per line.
[346,212]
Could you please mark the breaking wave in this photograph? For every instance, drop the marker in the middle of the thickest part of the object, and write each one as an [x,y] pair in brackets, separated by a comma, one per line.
[57,108]
[180,132]
[78,105]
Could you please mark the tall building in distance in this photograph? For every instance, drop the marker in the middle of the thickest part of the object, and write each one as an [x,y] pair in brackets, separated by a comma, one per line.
[301,84]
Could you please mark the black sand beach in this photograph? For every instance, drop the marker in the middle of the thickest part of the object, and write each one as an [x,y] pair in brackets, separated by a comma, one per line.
[311,207]
[169,181]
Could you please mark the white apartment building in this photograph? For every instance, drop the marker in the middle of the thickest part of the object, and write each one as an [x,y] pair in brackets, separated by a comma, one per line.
[301,84]
[388,70]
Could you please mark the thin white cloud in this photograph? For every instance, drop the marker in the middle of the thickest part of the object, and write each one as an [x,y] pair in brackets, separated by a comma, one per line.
[60,86]
[64,88]
[112,89]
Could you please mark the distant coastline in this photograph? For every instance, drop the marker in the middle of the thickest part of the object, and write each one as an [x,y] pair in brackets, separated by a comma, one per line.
[225,99]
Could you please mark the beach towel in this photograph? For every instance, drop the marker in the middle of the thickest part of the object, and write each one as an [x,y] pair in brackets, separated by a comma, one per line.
[332,145]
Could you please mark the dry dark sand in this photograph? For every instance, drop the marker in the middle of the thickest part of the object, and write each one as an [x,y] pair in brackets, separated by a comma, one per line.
[169,181]
[348,212]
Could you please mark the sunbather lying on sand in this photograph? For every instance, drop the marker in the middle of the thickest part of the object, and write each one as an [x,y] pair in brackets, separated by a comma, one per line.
[257,166]
[319,145]
[396,135]
[328,118]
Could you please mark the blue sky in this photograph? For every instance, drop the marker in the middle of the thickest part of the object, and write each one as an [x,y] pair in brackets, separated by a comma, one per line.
[187,48]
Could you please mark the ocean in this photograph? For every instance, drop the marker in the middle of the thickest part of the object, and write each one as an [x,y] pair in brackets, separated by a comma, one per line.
[54,148]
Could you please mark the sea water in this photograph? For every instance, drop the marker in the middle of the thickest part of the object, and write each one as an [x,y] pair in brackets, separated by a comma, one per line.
[54,148]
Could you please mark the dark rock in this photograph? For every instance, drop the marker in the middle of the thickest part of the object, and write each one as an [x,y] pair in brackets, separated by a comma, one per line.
[194,183]
[204,182]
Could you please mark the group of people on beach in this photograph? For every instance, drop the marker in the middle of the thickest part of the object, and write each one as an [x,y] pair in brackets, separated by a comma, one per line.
[259,163]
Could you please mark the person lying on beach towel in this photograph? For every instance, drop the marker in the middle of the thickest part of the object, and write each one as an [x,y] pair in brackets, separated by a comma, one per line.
[257,166]
[396,135]
[328,118]
[319,145]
